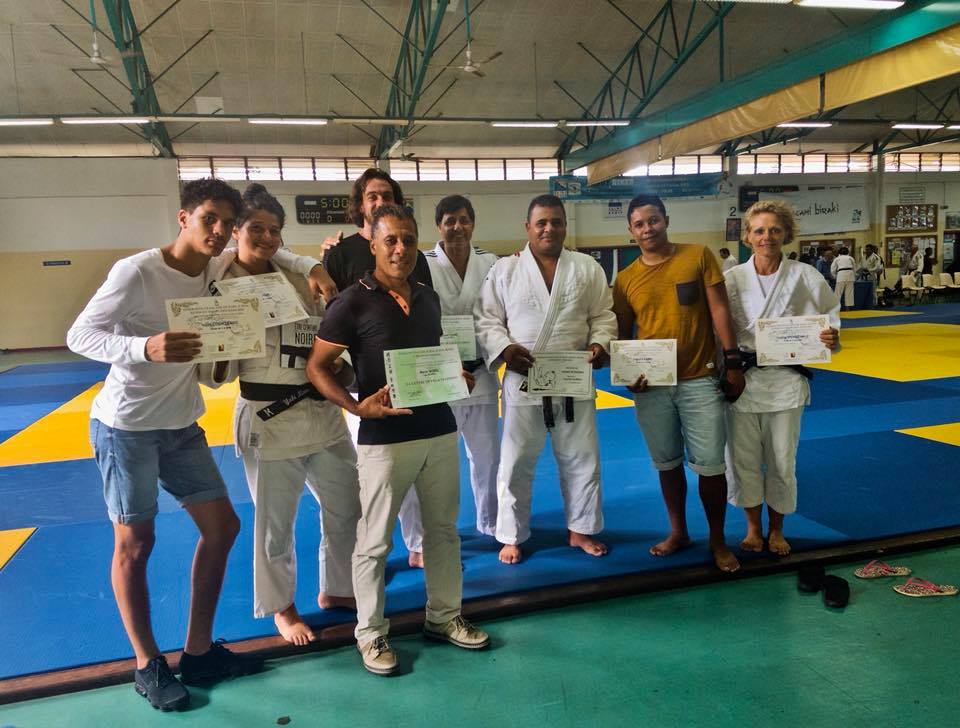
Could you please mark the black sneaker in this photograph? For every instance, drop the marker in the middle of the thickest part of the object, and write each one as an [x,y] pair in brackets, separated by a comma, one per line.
[158,685]
[215,664]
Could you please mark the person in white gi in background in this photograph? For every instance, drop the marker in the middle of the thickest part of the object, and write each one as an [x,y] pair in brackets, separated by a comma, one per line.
[763,425]
[458,271]
[872,263]
[546,298]
[727,261]
[843,270]
[287,434]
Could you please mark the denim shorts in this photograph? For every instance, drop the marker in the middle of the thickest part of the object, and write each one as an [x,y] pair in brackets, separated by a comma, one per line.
[690,414]
[133,463]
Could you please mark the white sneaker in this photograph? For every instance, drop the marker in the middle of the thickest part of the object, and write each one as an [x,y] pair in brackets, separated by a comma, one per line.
[458,631]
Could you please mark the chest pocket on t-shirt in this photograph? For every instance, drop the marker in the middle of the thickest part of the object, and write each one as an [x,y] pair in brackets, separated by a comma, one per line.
[296,341]
[688,293]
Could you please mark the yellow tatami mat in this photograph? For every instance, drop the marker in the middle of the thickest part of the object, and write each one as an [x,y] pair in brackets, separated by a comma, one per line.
[875,314]
[901,353]
[607,400]
[949,433]
[11,541]
[64,433]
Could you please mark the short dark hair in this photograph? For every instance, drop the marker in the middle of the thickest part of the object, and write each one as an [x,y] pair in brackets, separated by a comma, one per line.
[844,251]
[196,192]
[642,200]
[546,201]
[451,204]
[256,198]
[355,208]
[724,250]
[394,211]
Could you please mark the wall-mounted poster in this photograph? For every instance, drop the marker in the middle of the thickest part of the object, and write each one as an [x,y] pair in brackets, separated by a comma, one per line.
[733,229]
[952,221]
[911,218]
[899,248]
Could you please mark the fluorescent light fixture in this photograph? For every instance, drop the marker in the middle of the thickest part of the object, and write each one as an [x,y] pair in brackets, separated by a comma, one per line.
[599,122]
[26,122]
[852,4]
[805,124]
[761,2]
[199,119]
[916,125]
[526,124]
[294,122]
[954,126]
[104,120]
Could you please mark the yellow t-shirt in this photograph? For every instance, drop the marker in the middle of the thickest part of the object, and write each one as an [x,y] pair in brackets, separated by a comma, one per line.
[669,301]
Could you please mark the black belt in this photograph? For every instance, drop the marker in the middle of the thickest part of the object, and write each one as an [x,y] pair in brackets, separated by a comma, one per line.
[282,396]
[750,360]
[548,420]
[841,270]
[472,365]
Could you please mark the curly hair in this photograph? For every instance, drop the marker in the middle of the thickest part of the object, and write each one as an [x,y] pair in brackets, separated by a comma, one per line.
[196,192]
[783,211]
[255,198]
[355,208]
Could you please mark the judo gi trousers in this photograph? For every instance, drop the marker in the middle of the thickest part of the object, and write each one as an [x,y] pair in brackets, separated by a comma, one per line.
[477,424]
[432,465]
[576,448]
[275,487]
[763,458]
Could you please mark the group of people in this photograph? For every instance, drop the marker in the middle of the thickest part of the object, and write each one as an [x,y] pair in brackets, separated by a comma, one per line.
[733,422]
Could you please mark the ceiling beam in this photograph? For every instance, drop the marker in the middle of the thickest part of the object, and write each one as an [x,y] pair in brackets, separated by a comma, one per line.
[883,33]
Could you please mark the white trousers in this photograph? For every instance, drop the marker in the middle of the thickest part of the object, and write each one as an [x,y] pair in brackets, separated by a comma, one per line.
[844,291]
[386,472]
[477,424]
[762,452]
[577,452]
[276,487]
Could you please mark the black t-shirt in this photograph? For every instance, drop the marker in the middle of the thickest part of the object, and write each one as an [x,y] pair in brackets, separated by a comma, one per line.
[349,261]
[367,320]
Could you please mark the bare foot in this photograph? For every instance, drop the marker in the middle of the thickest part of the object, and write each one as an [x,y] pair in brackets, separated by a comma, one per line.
[292,627]
[724,559]
[511,554]
[583,541]
[415,559]
[753,541]
[778,544]
[327,601]
[671,544]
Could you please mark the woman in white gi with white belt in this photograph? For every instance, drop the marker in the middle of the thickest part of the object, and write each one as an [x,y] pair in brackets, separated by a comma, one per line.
[287,434]
[763,425]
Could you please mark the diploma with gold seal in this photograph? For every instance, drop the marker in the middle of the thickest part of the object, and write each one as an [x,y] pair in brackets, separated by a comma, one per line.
[791,340]
[424,375]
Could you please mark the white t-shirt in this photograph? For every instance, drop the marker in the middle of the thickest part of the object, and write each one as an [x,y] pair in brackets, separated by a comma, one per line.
[114,328]
[728,263]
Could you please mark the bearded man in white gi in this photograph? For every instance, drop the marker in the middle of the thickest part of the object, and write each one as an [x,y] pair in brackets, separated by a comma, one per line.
[763,425]
[545,298]
[458,270]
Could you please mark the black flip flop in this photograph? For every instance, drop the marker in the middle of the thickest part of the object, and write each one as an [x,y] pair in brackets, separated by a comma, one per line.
[836,592]
[810,578]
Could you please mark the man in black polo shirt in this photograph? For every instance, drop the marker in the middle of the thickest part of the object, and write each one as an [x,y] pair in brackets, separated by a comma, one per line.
[348,259]
[389,309]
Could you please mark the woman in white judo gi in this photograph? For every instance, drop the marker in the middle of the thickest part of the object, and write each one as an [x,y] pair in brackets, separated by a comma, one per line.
[287,434]
[763,425]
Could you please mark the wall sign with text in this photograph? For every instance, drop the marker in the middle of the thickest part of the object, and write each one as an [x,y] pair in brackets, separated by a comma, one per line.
[322,209]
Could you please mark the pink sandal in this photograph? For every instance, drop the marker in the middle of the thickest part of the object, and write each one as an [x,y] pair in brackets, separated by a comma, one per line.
[915,587]
[878,569]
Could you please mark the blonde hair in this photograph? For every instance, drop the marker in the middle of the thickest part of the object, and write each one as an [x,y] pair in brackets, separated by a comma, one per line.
[783,211]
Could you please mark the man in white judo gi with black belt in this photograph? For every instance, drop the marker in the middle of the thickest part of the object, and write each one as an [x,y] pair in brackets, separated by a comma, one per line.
[458,270]
[545,298]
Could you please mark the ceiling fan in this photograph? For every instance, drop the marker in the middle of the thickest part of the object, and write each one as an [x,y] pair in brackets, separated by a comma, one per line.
[470,66]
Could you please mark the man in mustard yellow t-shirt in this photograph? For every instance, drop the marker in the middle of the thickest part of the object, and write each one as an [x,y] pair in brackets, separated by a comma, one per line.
[676,291]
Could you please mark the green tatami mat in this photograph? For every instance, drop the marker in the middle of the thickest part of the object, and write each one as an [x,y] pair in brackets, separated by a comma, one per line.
[746,653]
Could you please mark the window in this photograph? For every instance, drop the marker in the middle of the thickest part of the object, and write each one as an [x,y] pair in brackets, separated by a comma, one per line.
[231,169]
[356,167]
[195,168]
[711,163]
[909,162]
[296,169]
[814,163]
[462,170]
[403,170]
[791,163]
[950,162]
[267,168]
[768,163]
[930,162]
[861,163]
[686,165]
[837,163]
[661,168]
[433,169]
[490,169]
[545,168]
[330,170]
[746,164]
[519,169]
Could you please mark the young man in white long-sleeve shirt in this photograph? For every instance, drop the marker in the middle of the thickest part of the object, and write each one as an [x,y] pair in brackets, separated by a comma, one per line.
[143,429]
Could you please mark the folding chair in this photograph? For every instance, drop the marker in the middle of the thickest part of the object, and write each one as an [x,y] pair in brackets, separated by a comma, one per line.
[930,283]
[911,291]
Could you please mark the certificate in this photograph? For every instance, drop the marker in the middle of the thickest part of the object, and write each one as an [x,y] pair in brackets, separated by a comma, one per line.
[230,327]
[424,375]
[656,359]
[560,374]
[279,302]
[459,330]
[791,340]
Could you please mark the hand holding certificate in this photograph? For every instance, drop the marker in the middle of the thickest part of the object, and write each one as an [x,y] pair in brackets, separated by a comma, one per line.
[560,374]
[279,303]
[654,359]
[791,340]
[230,327]
[424,375]
[459,330]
